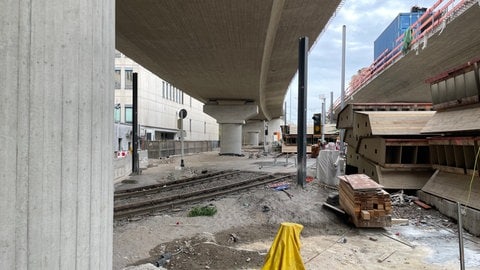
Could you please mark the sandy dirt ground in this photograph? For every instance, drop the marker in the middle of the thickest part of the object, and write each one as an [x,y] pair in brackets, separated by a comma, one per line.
[239,235]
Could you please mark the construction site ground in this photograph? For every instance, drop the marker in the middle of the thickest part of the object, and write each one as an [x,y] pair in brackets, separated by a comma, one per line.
[239,235]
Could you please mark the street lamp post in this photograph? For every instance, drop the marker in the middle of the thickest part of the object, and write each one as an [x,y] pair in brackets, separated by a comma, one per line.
[322,98]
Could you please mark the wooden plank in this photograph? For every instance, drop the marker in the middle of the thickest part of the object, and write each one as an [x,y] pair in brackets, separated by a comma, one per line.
[365,214]
[422,204]
[334,208]
[360,182]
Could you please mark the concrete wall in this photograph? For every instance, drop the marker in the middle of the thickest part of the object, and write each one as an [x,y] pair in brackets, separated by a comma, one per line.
[122,167]
[56,195]
[470,220]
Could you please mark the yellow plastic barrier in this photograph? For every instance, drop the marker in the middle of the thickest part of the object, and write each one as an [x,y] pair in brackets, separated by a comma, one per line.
[284,254]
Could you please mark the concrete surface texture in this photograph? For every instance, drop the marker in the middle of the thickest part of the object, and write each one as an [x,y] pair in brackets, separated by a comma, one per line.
[222,50]
[56,157]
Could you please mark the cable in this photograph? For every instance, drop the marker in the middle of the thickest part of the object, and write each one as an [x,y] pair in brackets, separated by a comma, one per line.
[471,180]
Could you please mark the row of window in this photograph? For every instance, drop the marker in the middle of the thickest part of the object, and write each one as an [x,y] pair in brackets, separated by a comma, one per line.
[128,79]
[169,91]
[172,93]
[128,113]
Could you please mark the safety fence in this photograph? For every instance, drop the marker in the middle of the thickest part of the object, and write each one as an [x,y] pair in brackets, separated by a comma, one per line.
[159,149]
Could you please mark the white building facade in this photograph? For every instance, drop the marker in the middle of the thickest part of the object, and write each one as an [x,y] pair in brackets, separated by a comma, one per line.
[159,103]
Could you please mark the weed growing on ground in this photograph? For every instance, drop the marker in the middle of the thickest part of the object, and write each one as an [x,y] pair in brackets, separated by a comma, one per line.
[203,211]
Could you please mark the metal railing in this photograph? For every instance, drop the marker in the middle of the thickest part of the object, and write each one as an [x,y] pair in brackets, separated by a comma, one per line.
[433,20]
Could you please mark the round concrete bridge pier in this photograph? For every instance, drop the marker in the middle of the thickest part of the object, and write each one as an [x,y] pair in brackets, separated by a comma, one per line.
[252,138]
[231,117]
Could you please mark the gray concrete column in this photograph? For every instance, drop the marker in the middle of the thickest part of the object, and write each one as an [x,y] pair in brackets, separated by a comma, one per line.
[252,138]
[231,135]
[231,117]
[56,103]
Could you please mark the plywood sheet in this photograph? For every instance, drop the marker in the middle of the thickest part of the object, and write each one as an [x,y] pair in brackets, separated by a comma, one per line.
[397,122]
[404,179]
[454,121]
[455,187]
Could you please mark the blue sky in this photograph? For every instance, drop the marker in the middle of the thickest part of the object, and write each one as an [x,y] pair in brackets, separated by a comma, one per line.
[365,20]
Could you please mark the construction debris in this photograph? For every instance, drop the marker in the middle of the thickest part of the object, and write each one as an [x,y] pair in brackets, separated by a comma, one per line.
[385,256]
[365,201]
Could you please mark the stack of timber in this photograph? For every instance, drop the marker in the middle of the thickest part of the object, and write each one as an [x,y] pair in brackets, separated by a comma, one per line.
[384,141]
[365,201]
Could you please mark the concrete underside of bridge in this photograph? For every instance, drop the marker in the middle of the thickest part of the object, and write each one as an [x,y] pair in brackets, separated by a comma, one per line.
[240,53]
[244,51]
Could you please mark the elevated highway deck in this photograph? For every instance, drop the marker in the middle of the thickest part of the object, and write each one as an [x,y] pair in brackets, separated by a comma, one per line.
[450,45]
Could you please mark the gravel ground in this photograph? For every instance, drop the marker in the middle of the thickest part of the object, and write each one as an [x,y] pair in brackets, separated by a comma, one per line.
[241,232]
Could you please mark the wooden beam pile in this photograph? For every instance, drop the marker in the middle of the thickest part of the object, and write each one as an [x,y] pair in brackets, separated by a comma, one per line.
[365,201]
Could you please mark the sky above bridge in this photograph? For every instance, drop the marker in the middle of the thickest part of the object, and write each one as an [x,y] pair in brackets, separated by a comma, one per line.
[365,20]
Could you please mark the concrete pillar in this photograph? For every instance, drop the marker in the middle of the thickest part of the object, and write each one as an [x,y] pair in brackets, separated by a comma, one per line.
[252,138]
[231,136]
[231,117]
[56,103]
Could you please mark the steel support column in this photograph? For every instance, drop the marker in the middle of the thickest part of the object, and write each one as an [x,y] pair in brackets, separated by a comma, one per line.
[302,111]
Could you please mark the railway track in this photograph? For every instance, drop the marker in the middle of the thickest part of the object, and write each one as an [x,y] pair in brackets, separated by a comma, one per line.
[162,197]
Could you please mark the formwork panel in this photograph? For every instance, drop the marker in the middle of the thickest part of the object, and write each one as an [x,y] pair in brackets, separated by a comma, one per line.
[459,156]
[435,93]
[345,117]
[450,155]
[373,149]
[395,178]
[442,159]
[369,168]
[442,92]
[455,187]
[451,89]
[470,84]
[350,138]
[352,156]
[460,86]
[469,155]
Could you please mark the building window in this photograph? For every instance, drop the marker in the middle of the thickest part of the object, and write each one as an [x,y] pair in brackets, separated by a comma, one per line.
[181,98]
[128,114]
[167,95]
[117,112]
[128,79]
[163,89]
[118,79]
